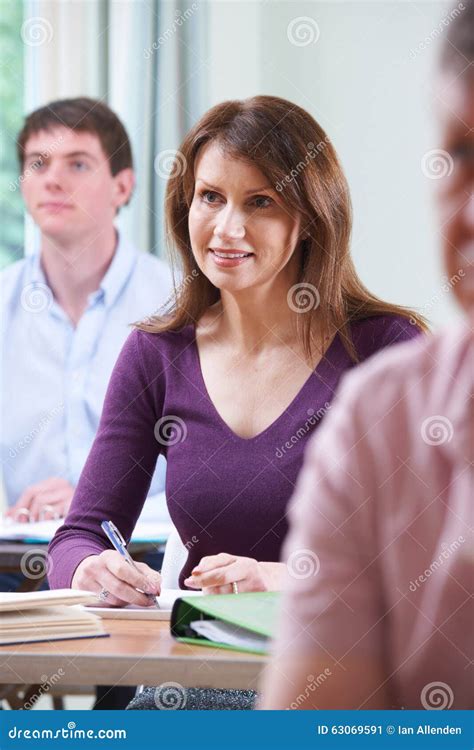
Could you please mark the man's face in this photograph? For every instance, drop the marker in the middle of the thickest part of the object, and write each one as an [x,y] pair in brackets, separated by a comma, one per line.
[456,190]
[68,187]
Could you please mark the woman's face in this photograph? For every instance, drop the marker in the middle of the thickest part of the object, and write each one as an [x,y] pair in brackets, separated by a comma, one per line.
[456,188]
[242,235]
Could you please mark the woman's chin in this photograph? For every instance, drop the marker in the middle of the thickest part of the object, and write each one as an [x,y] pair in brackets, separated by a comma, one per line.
[227,283]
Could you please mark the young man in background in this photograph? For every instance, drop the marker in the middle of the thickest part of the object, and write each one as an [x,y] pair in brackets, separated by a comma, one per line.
[67,307]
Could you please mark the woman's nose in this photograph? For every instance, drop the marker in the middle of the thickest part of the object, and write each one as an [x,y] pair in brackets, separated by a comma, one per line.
[231,226]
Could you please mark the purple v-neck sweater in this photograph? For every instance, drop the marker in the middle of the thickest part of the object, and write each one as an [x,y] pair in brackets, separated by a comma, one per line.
[224,493]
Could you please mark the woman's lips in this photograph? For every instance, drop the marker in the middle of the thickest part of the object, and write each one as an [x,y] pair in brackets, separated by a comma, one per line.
[224,259]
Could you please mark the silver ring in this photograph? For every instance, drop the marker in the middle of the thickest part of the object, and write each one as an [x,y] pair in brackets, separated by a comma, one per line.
[48,509]
[23,512]
[102,596]
[235,588]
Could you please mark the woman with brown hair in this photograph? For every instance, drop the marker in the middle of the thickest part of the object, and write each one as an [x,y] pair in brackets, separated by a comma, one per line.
[231,381]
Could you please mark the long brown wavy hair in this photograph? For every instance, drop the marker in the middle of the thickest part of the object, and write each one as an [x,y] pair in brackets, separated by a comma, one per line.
[296,156]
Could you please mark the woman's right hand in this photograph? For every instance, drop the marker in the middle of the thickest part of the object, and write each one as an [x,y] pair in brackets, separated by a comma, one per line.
[109,571]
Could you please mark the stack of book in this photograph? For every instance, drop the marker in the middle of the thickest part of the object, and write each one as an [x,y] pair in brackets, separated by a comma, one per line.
[48,616]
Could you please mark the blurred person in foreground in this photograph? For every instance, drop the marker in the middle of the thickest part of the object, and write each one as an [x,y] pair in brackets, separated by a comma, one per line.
[382,614]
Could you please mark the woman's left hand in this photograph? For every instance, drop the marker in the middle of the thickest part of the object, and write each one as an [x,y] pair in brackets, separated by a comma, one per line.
[216,574]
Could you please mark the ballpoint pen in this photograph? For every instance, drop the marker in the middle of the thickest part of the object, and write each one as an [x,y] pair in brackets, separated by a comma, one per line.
[120,545]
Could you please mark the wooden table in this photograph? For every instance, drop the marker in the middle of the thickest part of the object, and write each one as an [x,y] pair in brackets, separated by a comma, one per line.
[138,652]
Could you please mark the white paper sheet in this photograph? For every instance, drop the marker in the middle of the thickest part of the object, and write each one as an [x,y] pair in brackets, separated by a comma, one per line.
[232,635]
[133,612]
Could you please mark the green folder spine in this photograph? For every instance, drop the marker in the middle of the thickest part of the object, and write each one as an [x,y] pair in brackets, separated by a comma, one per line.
[256,612]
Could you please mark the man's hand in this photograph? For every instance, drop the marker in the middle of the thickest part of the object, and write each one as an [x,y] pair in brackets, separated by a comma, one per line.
[50,498]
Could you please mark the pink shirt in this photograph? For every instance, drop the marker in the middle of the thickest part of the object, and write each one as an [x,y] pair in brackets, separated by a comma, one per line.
[380,552]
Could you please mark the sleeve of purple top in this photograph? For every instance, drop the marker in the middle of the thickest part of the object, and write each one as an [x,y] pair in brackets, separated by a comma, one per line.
[116,476]
[399,329]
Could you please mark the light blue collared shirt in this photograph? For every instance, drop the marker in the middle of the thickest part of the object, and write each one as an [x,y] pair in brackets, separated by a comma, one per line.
[54,376]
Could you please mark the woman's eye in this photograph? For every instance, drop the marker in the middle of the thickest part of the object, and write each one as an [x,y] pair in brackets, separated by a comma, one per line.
[262,201]
[208,196]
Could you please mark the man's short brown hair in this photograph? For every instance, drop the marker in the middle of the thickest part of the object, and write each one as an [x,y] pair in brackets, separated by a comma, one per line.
[84,115]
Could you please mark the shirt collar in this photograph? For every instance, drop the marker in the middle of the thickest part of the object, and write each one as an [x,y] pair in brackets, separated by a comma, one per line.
[118,272]
[116,277]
